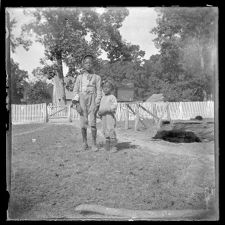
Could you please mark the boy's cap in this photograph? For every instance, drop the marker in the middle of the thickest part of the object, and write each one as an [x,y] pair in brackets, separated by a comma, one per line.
[86,56]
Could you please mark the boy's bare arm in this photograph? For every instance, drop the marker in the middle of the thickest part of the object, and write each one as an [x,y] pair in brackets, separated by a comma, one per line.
[76,91]
[75,100]
[113,106]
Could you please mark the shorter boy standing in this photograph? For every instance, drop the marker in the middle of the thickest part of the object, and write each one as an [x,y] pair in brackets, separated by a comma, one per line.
[107,111]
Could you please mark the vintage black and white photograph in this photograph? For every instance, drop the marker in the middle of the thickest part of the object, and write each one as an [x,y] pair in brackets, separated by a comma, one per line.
[112,113]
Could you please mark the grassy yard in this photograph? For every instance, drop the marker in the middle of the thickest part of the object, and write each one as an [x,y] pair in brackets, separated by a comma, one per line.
[51,175]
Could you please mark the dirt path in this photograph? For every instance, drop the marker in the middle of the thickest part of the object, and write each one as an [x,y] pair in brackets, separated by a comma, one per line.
[52,175]
[143,139]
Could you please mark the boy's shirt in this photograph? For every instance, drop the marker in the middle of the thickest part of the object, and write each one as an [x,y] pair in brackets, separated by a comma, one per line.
[108,104]
[88,83]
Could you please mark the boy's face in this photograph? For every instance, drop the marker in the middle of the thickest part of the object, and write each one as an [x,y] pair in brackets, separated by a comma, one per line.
[88,64]
[106,89]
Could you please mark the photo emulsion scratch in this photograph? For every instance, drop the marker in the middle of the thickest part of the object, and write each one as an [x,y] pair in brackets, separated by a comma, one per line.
[111,113]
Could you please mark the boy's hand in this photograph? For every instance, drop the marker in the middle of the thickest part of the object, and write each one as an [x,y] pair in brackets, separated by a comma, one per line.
[78,108]
[99,116]
[96,109]
[100,113]
[74,102]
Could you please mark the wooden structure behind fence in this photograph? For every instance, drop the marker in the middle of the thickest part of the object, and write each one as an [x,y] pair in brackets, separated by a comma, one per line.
[176,111]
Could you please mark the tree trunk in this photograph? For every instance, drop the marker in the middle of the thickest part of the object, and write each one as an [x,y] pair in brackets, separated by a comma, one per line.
[59,95]
[55,88]
[201,57]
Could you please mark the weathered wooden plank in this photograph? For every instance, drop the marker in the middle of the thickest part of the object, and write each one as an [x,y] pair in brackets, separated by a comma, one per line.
[141,214]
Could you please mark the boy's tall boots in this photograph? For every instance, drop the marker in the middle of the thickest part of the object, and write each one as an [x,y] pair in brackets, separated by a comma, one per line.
[84,137]
[113,143]
[94,136]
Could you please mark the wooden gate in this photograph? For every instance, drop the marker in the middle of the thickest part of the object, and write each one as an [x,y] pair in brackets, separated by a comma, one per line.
[57,113]
[61,113]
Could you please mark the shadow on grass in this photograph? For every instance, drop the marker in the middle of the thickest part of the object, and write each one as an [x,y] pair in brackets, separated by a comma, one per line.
[125,145]
[120,145]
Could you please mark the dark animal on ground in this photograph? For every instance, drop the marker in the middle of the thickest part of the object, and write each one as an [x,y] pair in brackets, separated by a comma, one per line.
[198,118]
[177,136]
[164,122]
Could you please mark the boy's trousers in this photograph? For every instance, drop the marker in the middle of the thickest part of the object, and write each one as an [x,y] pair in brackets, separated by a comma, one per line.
[88,105]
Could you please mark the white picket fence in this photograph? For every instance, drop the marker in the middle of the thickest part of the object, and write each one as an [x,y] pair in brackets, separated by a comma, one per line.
[176,111]
[35,113]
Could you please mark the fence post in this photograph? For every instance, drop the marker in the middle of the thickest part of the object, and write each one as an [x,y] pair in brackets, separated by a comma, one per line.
[126,117]
[180,111]
[69,113]
[137,118]
[46,113]
[154,109]
[168,112]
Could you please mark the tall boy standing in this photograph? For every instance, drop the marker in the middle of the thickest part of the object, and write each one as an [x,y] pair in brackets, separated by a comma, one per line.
[87,97]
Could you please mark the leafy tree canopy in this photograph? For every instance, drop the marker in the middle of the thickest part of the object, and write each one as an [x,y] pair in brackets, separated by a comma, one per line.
[38,92]
[18,82]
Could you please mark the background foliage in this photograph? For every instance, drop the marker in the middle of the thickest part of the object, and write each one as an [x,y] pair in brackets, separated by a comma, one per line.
[184,69]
